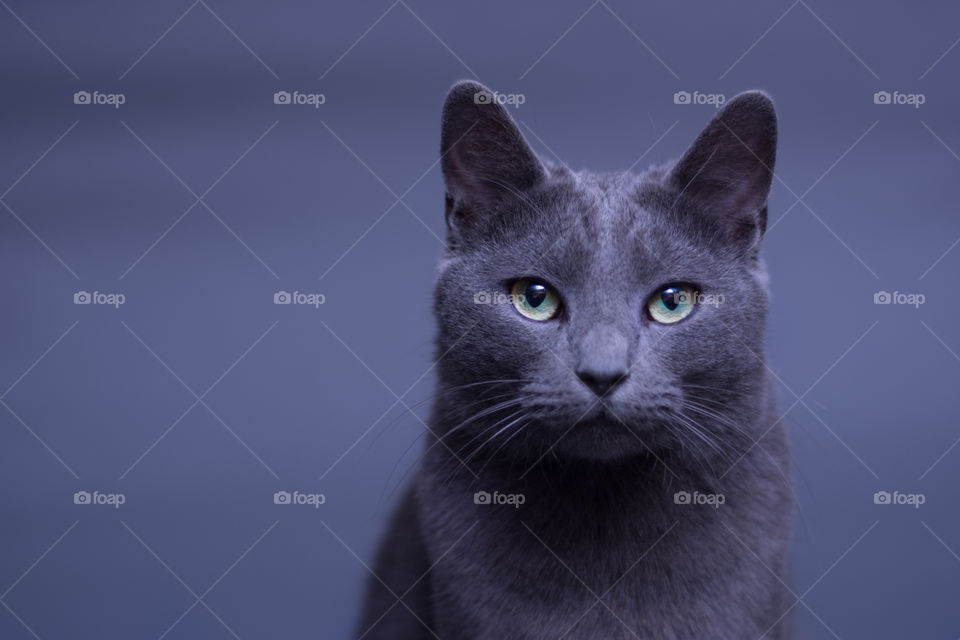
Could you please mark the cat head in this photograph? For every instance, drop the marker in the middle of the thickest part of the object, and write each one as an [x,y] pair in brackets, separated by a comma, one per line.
[601,316]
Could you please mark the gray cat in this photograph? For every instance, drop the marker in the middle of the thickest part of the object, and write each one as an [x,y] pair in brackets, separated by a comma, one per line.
[605,458]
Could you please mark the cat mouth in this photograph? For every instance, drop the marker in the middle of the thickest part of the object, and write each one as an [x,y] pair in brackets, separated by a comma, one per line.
[605,420]
[600,412]
[600,417]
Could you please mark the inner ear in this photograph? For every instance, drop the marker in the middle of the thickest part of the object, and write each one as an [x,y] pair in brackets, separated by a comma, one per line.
[485,158]
[724,177]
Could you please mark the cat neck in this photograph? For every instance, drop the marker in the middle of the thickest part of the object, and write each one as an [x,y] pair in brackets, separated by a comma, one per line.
[646,482]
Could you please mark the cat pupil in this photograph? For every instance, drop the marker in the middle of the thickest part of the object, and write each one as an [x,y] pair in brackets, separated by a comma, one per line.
[535,294]
[670,298]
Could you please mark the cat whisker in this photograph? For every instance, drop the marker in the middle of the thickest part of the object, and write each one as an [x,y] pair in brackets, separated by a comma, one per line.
[470,385]
[506,441]
[698,429]
[720,390]
[520,418]
[500,406]
[487,430]
[420,403]
[456,457]
[720,418]
[460,426]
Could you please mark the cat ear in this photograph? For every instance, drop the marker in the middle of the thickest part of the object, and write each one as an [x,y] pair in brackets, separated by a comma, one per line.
[725,175]
[485,158]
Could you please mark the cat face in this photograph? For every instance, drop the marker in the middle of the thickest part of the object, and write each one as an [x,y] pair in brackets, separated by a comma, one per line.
[601,316]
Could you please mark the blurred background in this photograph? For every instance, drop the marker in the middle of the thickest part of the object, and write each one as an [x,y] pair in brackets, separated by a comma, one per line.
[168,168]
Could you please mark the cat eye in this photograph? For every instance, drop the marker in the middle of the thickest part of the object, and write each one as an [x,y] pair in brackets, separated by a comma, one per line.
[672,303]
[534,299]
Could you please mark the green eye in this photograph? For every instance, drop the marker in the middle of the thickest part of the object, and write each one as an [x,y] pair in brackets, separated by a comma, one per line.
[672,303]
[534,299]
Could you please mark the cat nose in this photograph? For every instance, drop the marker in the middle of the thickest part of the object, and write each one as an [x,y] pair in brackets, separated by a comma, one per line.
[604,359]
[602,382]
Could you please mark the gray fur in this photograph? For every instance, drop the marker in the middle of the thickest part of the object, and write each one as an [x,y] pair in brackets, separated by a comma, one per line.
[598,474]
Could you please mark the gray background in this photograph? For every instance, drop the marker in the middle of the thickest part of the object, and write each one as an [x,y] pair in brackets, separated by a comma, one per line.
[325,400]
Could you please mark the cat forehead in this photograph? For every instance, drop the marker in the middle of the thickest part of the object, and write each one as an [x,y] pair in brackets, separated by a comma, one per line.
[588,223]
[604,212]
[593,203]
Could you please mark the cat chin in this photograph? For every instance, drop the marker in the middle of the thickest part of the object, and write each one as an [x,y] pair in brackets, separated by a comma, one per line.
[604,440]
